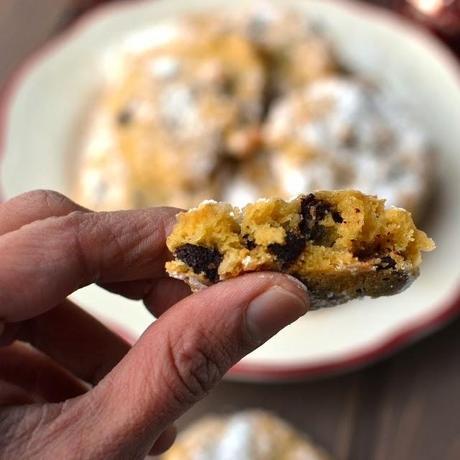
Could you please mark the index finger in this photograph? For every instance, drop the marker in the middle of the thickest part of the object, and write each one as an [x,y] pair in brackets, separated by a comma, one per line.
[45,261]
[34,205]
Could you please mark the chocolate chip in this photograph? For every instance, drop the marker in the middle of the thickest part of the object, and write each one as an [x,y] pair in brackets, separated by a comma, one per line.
[249,242]
[289,251]
[319,235]
[386,263]
[124,117]
[201,259]
[312,210]
[307,221]
[317,209]
[228,86]
[337,217]
[365,253]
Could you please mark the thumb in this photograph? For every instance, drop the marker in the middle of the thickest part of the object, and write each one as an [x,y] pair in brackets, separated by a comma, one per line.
[188,350]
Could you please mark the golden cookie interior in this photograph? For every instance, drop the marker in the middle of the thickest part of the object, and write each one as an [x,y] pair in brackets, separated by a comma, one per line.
[340,244]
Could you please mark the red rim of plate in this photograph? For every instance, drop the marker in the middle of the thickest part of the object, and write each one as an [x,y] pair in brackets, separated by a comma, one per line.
[267,372]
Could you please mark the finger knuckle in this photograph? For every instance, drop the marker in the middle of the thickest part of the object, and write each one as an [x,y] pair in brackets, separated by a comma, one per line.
[46,199]
[73,227]
[197,365]
[97,245]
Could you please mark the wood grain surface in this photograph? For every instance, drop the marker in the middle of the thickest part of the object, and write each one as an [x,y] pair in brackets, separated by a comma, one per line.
[404,408]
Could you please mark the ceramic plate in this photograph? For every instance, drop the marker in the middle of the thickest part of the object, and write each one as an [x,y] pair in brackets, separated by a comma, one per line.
[41,120]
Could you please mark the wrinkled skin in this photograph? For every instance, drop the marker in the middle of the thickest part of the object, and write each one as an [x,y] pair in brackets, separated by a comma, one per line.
[71,388]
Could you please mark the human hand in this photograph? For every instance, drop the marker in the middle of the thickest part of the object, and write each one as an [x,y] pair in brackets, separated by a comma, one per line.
[69,387]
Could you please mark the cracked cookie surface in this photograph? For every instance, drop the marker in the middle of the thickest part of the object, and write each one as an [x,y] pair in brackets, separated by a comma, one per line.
[239,104]
[340,244]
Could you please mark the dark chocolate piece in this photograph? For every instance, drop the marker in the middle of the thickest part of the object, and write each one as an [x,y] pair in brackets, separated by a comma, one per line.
[124,117]
[337,217]
[289,251]
[228,86]
[386,263]
[319,235]
[313,211]
[201,259]
[314,208]
[365,253]
[249,242]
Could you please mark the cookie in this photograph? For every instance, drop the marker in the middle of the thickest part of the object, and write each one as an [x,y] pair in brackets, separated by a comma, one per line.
[249,435]
[241,104]
[342,133]
[175,110]
[341,244]
[294,50]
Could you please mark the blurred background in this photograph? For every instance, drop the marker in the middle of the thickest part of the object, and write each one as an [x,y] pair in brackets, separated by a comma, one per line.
[51,16]
[404,407]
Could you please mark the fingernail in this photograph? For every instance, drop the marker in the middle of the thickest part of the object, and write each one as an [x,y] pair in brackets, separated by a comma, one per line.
[273,310]
[297,283]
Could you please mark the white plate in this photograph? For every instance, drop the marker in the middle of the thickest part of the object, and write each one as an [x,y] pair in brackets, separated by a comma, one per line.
[42,113]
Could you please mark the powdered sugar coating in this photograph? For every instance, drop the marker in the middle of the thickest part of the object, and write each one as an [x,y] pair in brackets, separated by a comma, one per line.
[188,118]
[342,133]
[250,435]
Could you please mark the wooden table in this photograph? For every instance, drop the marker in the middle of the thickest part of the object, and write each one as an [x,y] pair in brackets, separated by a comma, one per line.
[406,407]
